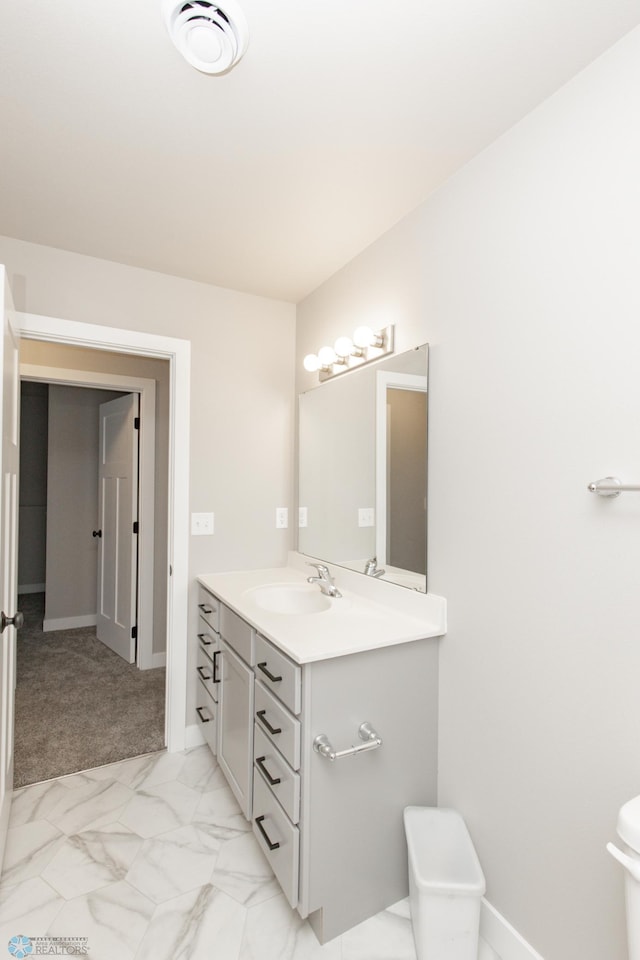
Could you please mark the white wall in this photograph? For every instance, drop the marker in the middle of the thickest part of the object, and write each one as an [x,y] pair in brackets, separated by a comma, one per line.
[72,505]
[242,393]
[522,273]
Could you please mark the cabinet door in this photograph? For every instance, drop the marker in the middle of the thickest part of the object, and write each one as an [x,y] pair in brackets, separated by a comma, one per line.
[235,726]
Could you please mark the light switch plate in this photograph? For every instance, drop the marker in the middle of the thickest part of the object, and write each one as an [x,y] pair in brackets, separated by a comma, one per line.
[201,524]
[366,517]
[302,516]
[282,518]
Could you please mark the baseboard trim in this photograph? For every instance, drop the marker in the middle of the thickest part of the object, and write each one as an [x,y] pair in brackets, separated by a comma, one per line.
[502,938]
[31,588]
[193,737]
[70,623]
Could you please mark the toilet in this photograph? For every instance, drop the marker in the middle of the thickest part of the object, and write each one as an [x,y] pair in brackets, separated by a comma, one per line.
[446,884]
[629,833]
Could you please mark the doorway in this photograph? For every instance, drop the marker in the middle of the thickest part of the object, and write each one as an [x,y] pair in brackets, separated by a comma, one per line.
[173,568]
[77,703]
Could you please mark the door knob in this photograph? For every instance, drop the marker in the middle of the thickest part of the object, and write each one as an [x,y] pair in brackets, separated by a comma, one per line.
[15,621]
[97,533]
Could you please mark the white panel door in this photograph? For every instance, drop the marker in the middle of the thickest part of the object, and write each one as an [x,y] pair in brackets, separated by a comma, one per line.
[10,620]
[118,511]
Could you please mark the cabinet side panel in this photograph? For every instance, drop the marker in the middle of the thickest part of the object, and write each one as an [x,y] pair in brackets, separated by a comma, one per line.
[354,856]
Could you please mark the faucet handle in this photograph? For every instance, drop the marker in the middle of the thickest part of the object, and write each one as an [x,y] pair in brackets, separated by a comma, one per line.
[322,568]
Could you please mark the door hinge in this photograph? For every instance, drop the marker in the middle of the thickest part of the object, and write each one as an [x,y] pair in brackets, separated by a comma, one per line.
[135,526]
[136,423]
[134,632]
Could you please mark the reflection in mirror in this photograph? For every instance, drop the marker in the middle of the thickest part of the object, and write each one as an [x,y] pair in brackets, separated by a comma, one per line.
[363,470]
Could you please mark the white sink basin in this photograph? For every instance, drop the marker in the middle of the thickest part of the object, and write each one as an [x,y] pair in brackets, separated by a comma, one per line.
[291,598]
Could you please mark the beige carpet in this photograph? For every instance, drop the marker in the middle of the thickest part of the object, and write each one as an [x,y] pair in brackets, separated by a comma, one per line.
[78,704]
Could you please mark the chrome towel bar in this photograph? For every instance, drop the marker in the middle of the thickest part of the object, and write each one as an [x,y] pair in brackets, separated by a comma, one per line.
[612,487]
[366,732]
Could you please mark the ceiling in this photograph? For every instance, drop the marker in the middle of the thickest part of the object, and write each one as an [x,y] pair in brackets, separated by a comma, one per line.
[342,116]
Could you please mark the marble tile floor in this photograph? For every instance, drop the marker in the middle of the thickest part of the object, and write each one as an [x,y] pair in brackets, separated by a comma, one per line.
[151,859]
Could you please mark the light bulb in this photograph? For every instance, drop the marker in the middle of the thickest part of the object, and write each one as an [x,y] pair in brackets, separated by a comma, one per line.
[311,363]
[344,346]
[363,337]
[326,356]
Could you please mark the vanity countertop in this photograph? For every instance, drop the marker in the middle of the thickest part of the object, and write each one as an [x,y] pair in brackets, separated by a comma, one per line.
[349,624]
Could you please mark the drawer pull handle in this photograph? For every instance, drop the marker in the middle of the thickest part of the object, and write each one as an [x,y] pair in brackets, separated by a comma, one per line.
[272,780]
[199,712]
[372,741]
[270,843]
[216,678]
[261,717]
[203,640]
[204,677]
[267,672]
[205,608]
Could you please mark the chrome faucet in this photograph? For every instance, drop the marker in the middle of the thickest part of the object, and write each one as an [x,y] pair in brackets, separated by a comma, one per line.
[371,568]
[324,580]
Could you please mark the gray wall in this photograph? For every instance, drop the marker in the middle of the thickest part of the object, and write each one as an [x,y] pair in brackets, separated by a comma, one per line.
[72,502]
[242,377]
[61,356]
[522,273]
[32,525]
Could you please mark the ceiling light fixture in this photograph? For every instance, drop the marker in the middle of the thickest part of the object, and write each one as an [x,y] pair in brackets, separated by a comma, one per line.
[348,353]
[211,37]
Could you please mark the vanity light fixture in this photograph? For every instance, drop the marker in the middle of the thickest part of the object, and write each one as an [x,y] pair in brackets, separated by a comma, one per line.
[347,353]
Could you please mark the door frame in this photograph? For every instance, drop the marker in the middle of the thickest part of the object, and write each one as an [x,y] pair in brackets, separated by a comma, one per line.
[146,390]
[178,353]
[388,380]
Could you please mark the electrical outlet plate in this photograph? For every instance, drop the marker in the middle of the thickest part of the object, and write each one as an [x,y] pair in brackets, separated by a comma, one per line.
[201,524]
[366,517]
[282,518]
[302,516]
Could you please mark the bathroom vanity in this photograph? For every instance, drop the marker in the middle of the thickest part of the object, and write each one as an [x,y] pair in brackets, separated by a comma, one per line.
[324,720]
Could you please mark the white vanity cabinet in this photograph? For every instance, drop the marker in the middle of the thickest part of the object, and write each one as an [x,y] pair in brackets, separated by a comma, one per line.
[341,851]
[332,830]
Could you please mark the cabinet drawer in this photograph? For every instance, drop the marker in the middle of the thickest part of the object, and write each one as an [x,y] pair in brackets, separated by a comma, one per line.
[207,714]
[278,674]
[273,767]
[208,671]
[278,724]
[208,637]
[279,840]
[238,634]
[209,607]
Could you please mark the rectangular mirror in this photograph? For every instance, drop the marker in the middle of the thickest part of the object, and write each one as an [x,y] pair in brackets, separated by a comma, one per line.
[362,479]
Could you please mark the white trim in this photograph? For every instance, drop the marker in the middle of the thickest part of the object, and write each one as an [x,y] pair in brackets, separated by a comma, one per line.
[178,352]
[146,389]
[69,623]
[485,952]
[157,660]
[398,381]
[502,937]
[31,588]
[193,737]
